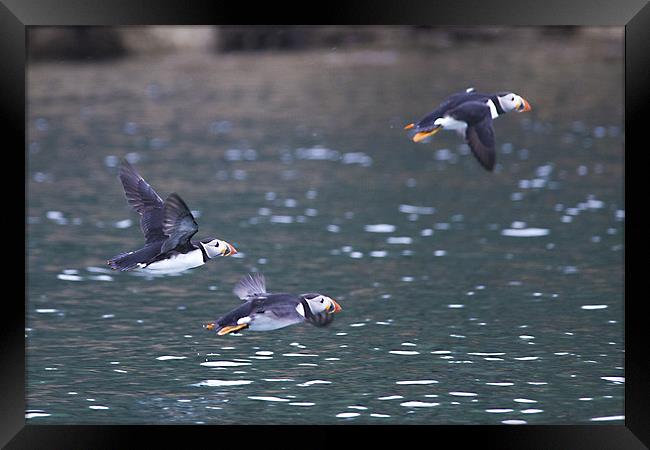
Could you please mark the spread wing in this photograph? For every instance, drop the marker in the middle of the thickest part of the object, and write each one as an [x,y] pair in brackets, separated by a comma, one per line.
[321,319]
[480,138]
[178,223]
[480,131]
[250,285]
[145,201]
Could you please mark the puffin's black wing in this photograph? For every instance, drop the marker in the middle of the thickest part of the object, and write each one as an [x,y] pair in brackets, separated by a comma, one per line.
[178,224]
[480,132]
[244,310]
[321,319]
[480,138]
[250,285]
[145,201]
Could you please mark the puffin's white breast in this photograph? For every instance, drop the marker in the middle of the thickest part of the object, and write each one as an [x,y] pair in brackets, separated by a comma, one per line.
[266,322]
[175,263]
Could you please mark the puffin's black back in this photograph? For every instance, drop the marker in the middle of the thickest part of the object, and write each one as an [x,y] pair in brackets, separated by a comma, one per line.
[281,303]
[453,101]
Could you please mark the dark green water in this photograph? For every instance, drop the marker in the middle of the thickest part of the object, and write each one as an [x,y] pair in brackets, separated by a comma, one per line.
[447,319]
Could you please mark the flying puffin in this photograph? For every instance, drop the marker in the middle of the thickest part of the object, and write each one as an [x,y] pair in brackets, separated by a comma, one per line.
[168,228]
[263,311]
[470,113]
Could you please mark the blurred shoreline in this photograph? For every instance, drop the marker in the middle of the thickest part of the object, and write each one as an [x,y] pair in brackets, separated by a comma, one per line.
[100,43]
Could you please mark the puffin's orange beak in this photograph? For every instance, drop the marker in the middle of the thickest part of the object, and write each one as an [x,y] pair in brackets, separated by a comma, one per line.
[231,250]
[336,307]
[525,106]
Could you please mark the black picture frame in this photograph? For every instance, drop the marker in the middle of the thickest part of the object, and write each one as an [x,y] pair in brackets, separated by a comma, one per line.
[634,15]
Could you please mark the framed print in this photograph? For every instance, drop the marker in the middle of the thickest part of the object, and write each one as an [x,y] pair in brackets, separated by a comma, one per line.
[376,220]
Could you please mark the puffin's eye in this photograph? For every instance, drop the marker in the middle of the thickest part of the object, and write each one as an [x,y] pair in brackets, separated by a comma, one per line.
[321,300]
[216,245]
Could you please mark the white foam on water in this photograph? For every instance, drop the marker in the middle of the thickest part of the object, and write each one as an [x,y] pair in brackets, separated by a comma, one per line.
[33,415]
[524,400]
[298,354]
[224,364]
[312,382]
[379,415]
[404,352]
[463,394]
[302,404]
[499,410]
[501,384]
[168,357]
[607,418]
[614,379]
[406,382]
[278,379]
[390,397]
[268,399]
[527,358]
[357,158]
[455,305]
[531,411]
[360,408]
[47,310]
[411,209]
[486,354]
[440,352]
[380,228]
[347,414]
[126,223]
[378,253]
[220,383]
[281,219]
[66,277]
[416,404]
[513,422]
[592,307]
[54,215]
[356,255]
[439,253]
[401,240]
[525,232]
[101,277]
[264,353]
[98,407]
